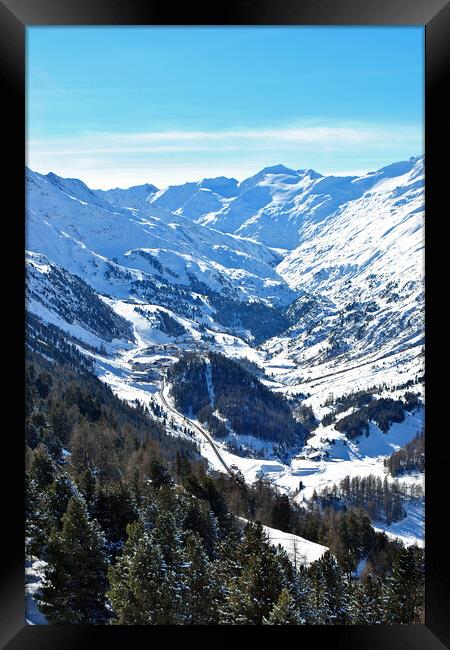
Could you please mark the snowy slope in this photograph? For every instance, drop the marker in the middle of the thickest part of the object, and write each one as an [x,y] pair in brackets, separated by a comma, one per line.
[136,197]
[410,530]
[379,233]
[347,302]
[65,300]
[88,235]
[193,200]
[279,206]
[301,551]
[362,271]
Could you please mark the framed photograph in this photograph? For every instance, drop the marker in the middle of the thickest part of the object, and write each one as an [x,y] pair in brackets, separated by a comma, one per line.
[227,262]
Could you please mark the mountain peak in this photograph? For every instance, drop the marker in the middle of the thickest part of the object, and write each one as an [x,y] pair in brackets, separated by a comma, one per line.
[63,182]
[148,187]
[309,172]
[221,185]
[400,168]
[279,169]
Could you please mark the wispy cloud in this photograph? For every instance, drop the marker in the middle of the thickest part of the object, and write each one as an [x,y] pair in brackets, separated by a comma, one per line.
[173,152]
[284,137]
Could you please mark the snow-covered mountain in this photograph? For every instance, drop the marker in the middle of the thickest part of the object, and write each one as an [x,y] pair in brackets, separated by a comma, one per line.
[76,227]
[194,200]
[315,282]
[330,268]
[60,298]
[363,270]
[159,258]
[136,197]
[278,205]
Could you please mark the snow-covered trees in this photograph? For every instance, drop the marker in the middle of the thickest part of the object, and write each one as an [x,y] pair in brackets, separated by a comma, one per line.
[404,588]
[331,589]
[258,587]
[380,499]
[43,469]
[75,579]
[410,458]
[178,565]
[140,592]
[366,601]
[383,412]
[113,507]
[200,587]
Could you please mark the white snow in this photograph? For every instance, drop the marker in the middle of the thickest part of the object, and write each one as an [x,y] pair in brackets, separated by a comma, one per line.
[301,551]
[411,530]
[34,573]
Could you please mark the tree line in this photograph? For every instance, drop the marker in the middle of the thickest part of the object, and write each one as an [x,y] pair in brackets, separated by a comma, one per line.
[382,500]
[410,458]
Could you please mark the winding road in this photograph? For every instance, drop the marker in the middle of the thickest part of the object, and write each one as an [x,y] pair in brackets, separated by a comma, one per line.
[194,426]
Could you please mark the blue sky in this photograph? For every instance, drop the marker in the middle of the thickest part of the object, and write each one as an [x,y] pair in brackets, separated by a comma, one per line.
[128,105]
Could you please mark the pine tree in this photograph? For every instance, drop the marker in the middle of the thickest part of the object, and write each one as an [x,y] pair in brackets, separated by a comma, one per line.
[282,514]
[216,499]
[61,422]
[257,589]
[75,579]
[332,587]
[87,485]
[404,589]
[35,520]
[299,587]
[225,571]
[58,495]
[168,537]
[200,589]
[53,444]
[320,604]
[366,602]
[43,469]
[182,464]
[113,508]
[140,592]
[198,518]
[284,611]
[43,384]
[159,474]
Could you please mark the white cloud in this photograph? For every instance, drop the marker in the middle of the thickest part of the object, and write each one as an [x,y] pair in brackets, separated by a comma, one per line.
[105,159]
[178,141]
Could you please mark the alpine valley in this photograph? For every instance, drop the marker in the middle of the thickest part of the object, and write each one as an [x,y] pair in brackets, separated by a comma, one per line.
[275,326]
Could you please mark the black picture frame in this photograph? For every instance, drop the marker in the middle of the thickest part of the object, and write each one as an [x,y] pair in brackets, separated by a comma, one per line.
[15,16]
